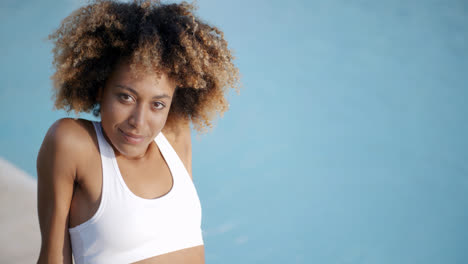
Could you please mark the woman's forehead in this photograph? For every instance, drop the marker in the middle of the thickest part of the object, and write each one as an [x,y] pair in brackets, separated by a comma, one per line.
[124,70]
[124,77]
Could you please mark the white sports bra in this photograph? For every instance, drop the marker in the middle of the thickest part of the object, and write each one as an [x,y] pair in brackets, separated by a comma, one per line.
[127,228]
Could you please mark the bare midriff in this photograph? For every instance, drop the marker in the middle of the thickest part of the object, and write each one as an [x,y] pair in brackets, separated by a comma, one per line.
[193,255]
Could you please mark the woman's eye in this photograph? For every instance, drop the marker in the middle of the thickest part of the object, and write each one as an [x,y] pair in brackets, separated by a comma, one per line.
[158,105]
[125,97]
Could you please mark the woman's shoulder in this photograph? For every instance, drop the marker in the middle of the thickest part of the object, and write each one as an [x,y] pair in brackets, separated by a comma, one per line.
[178,135]
[70,129]
[67,146]
[71,134]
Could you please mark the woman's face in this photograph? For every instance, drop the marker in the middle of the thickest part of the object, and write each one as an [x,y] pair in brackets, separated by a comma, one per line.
[134,111]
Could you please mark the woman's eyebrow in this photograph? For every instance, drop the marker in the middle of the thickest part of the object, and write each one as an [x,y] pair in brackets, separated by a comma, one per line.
[159,96]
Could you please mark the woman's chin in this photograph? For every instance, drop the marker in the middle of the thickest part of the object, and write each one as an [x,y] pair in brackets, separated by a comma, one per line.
[132,151]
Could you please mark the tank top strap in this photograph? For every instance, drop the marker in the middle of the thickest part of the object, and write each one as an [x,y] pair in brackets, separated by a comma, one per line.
[106,165]
[104,148]
[171,157]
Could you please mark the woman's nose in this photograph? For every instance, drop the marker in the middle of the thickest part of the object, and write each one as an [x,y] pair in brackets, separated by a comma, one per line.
[137,116]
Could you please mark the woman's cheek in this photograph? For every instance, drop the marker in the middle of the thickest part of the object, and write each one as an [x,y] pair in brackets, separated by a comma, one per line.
[118,109]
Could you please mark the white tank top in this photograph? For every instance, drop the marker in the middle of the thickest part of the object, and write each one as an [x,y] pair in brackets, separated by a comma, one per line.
[127,228]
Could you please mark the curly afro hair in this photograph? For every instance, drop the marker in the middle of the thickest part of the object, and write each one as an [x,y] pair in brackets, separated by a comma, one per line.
[160,37]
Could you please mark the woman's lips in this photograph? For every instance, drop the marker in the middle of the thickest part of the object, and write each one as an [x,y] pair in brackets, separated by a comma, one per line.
[132,138]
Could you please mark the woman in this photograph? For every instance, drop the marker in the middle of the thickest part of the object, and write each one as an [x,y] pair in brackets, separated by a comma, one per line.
[121,190]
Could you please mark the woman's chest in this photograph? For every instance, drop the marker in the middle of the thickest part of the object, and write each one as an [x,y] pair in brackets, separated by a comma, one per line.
[147,181]
[125,221]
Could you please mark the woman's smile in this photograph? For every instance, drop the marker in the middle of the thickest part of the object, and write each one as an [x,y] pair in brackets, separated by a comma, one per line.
[132,138]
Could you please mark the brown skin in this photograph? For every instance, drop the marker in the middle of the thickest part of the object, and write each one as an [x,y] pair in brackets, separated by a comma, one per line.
[69,164]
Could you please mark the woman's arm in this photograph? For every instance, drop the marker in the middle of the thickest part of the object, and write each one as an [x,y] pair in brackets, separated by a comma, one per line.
[56,173]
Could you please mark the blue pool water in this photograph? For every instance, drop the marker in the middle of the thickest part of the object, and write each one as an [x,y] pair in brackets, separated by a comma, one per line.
[347,144]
